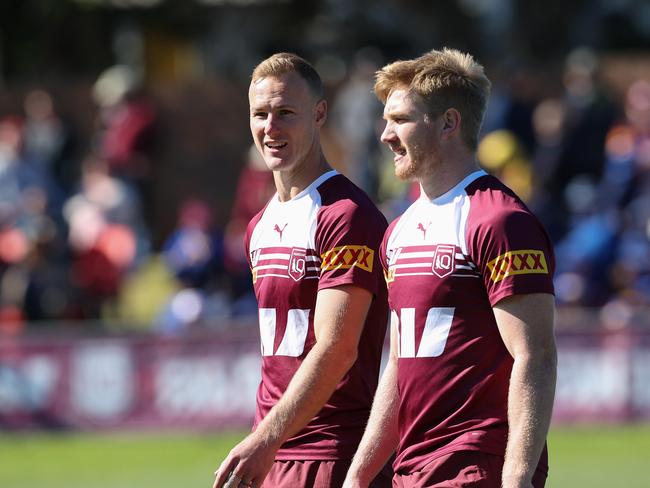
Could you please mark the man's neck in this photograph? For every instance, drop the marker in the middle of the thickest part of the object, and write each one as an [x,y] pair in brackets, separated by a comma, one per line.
[447,174]
[290,183]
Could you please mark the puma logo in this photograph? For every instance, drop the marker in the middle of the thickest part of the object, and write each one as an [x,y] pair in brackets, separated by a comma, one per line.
[424,229]
[278,230]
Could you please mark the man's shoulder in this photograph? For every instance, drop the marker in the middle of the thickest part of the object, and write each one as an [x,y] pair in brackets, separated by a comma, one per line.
[340,190]
[489,190]
[340,195]
[491,201]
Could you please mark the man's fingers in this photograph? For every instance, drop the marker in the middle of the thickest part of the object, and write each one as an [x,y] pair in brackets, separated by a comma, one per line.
[245,484]
[224,480]
[233,481]
[223,473]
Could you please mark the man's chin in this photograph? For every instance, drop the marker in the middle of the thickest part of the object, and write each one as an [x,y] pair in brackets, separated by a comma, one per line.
[275,164]
[405,174]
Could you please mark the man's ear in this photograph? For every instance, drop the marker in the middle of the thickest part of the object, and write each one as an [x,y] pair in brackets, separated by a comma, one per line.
[320,112]
[451,120]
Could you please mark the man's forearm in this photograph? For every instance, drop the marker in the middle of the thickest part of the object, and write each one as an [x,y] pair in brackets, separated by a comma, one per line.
[309,389]
[381,435]
[530,404]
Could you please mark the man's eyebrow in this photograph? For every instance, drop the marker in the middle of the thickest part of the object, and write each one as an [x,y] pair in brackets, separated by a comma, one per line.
[265,106]
[391,114]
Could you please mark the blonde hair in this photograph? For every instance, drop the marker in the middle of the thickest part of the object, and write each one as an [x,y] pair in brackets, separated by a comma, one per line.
[442,79]
[283,63]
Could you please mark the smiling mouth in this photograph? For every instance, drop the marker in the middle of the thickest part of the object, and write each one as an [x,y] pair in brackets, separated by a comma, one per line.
[399,152]
[275,145]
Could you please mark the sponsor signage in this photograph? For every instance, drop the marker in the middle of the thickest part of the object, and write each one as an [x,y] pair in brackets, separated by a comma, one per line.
[345,257]
[526,261]
[211,381]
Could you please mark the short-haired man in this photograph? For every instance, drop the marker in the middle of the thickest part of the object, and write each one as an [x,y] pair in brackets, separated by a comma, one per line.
[313,252]
[467,395]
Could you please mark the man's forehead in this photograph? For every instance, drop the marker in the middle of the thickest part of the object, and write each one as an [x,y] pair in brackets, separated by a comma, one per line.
[399,99]
[279,83]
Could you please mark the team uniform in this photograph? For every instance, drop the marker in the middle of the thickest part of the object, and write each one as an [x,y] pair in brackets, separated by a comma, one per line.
[447,262]
[326,236]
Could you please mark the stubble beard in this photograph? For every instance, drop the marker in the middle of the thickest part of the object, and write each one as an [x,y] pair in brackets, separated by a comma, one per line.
[412,170]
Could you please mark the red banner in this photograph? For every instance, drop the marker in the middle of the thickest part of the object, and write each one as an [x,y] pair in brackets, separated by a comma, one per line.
[211,381]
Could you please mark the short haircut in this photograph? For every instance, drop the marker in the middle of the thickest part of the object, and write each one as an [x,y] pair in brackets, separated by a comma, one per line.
[283,63]
[442,79]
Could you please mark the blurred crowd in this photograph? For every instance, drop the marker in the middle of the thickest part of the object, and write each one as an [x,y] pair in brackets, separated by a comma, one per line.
[76,238]
[581,160]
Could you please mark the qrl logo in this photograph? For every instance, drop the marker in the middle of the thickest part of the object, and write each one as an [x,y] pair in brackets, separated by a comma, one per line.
[297,263]
[444,260]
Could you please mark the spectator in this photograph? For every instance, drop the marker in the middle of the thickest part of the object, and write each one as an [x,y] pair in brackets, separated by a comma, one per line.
[126,129]
[194,254]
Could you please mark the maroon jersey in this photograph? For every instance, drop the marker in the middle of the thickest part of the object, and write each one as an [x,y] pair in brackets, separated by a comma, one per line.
[448,261]
[326,236]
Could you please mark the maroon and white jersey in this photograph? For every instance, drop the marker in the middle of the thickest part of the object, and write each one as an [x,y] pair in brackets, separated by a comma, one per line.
[326,236]
[448,261]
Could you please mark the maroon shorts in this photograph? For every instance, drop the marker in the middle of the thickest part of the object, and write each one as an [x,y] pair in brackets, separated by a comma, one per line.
[317,474]
[461,469]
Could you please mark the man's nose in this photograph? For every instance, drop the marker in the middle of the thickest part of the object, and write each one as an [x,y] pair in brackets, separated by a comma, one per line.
[388,134]
[272,125]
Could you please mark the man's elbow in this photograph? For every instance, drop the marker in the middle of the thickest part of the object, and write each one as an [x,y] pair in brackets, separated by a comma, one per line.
[541,358]
[345,356]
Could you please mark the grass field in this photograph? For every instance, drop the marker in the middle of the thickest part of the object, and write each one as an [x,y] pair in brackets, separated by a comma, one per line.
[589,457]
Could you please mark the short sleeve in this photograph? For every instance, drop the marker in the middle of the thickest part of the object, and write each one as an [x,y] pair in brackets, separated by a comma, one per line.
[348,236]
[513,252]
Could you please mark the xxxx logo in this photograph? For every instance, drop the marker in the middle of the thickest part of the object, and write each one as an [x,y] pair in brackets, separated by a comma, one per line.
[345,257]
[525,261]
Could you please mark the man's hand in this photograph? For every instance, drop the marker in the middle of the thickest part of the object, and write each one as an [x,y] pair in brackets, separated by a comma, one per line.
[246,465]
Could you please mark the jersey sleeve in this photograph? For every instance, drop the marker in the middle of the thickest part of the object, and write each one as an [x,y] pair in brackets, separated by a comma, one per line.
[348,236]
[384,259]
[513,252]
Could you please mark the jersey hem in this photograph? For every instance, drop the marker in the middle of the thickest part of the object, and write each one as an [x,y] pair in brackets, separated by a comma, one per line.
[408,469]
[348,280]
[326,456]
[421,465]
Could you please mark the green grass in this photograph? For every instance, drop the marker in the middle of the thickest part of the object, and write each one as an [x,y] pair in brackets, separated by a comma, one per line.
[599,456]
[589,457]
[112,461]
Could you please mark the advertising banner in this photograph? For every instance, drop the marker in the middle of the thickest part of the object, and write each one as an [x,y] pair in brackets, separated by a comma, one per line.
[211,381]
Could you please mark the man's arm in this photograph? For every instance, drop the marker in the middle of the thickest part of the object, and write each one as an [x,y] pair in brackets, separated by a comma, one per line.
[381,435]
[338,322]
[526,326]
